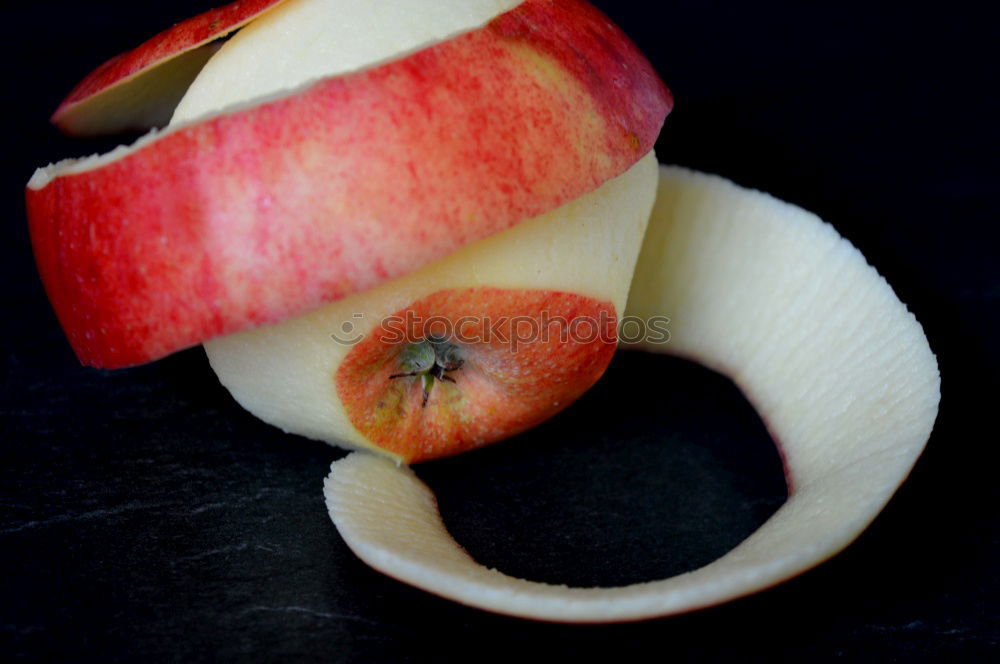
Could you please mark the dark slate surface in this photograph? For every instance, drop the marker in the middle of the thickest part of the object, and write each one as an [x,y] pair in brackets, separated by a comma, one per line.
[144,516]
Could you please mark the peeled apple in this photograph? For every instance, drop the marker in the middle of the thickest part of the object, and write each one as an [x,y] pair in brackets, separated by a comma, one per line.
[335,166]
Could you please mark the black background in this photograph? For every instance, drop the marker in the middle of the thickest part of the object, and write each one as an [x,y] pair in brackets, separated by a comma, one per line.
[144,515]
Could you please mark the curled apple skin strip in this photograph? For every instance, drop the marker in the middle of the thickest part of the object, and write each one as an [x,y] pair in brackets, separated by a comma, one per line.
[773,297]
[139,89]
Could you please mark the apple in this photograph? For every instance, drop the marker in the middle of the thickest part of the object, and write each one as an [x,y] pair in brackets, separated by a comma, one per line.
[280,205]
[771,296]
[296,377]
[363,168]
[581,257]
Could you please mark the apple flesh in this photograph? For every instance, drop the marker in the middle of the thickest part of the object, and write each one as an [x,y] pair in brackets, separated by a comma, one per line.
[574,263]
[771,296]
[270,211]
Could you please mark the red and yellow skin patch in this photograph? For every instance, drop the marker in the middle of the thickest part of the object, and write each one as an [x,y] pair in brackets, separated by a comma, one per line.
[515,358]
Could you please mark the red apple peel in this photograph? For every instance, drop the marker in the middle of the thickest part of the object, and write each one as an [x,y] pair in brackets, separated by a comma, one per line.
[139,89]
[160,247]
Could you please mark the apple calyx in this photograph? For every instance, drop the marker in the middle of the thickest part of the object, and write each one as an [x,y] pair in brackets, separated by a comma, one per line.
[432,360]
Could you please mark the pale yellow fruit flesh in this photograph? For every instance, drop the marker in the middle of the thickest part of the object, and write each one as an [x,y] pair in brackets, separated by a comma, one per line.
[773,297]
[302,41]
[144,101]
[284,373]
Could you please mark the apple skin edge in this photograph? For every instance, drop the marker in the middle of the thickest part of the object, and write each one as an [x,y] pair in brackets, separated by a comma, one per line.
[152,71]
[165,246]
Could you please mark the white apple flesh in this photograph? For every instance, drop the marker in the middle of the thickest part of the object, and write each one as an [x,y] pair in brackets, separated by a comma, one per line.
[771,296]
